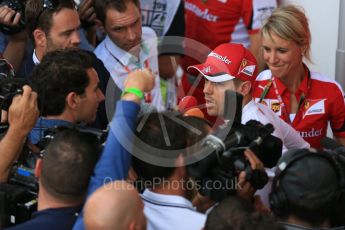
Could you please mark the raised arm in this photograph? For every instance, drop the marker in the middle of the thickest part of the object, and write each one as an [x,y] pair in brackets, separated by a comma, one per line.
[116,159]
[23,114]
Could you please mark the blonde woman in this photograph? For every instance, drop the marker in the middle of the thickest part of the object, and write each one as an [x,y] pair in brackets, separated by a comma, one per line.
[305,99]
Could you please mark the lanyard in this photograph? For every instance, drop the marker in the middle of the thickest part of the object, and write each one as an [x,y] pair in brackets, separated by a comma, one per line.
[302,99]
[148,97]
[281,102]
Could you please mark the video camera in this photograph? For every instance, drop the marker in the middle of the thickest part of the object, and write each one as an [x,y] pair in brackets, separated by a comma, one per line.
[18,6]
[18,197]
[226,159]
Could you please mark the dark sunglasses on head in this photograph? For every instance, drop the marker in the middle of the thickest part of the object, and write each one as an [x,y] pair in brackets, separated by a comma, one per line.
[47,5]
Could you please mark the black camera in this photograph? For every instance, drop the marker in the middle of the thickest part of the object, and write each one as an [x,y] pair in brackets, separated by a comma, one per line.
[18,6]
[18,197]
[98,135]
[226,159]
[9,85]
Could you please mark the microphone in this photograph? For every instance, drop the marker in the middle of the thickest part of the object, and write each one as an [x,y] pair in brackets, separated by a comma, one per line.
[329,143]
[194,112]
[187,103]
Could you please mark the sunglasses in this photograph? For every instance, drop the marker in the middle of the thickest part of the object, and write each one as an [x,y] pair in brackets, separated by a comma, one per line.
[47,5]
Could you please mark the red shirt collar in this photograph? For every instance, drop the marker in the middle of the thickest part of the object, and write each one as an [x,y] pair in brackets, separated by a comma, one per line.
[303,87]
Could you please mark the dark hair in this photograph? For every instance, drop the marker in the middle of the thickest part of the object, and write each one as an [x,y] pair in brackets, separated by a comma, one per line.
[295,192]
[68,163]
[37,16]
[195,137]
[156,128]
[60,73]
[101,6]
[259,221]
[314,208]
[229,213]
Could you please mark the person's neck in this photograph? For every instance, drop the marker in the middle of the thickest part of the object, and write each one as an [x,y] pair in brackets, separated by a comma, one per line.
[39,53]
[292,219]
[294,79]
[63,116]
[165,189]
[161,189]
[135,51]
[246,99]
[47,201]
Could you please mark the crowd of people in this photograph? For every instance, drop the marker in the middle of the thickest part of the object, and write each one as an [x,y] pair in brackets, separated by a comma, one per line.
[121,68]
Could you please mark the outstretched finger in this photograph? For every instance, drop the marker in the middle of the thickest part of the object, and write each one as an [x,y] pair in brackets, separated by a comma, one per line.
[16,19]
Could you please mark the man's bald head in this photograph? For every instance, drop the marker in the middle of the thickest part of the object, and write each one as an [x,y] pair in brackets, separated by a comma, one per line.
[116,205]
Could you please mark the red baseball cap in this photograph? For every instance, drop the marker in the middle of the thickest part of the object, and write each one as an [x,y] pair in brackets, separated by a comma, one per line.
[226,62]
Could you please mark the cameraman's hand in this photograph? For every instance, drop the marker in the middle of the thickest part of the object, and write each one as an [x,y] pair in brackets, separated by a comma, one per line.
[141,79]
[23,111]
[8,16]
[245,189]
[14,51]
[23,114]
[86,11]
[254,161]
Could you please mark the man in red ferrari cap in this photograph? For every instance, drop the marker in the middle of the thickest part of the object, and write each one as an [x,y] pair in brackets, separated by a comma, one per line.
[233,67]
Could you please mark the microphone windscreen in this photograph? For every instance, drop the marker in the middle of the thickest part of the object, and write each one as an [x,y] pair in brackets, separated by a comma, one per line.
[194,112]
[186,103]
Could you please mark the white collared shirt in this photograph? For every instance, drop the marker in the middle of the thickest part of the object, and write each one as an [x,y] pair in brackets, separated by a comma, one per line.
[118,61]
[171,212]
[35,58]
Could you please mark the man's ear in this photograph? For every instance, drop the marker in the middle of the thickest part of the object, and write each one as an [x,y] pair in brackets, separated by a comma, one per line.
[38,168]
[72,100]
[245,88]
[40,38]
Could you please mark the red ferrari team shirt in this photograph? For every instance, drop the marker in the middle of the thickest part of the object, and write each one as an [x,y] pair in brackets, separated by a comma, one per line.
[213,22]
[320,101]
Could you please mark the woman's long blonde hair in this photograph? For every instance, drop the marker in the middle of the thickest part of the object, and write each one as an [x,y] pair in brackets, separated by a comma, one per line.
[289,23]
